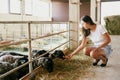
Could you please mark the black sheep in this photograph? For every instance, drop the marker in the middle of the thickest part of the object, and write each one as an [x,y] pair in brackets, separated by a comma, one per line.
[12,53]
[57,54]
[37,53]
[10,60]
[46,63]
[5,67]
[24,70]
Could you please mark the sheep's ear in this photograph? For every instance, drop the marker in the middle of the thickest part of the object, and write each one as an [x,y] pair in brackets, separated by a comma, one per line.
[61,51]
[34,51]
[56,51]
[46,60]
[51,56]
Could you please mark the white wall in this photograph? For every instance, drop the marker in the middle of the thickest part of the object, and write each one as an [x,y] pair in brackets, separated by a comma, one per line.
[4,6]
[41,8]
[38,10]
[28,6]
[109,8]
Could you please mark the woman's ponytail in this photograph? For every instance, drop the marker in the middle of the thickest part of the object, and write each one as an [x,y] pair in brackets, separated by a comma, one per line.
[86,32]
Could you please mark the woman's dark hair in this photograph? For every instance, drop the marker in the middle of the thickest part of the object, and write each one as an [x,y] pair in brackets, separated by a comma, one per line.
[87,19]
[86,32]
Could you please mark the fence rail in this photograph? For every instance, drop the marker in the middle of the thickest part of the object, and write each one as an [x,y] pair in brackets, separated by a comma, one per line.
[26,40]
[29,39]
[32,22]
[17,68]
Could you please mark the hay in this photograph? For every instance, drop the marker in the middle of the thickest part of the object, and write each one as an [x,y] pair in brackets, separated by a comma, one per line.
[73,69]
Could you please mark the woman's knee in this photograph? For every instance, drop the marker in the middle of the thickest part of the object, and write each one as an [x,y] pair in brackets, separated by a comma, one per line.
[96,55]
[93,54]
[86,51]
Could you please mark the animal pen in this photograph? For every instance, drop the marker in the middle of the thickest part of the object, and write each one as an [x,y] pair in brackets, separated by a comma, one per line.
[25,36]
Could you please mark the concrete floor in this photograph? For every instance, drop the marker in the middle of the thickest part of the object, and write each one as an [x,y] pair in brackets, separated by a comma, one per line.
[112,70]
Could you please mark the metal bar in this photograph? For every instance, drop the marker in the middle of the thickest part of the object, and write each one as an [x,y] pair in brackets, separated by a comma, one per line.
[47,22]
[28,75]
[59,46]
[69,35]
[17,68]
[13,70]
[36,70]
[51,34]
[26,40]
[30,48]
[14,43]
[33,22]
[14,22]
[51,50]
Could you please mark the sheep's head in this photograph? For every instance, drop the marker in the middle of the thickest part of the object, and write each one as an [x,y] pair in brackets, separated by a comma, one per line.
[57,54]
[37,53]
[46,63]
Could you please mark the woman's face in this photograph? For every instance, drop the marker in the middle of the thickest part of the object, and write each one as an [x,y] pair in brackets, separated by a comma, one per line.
[85,25]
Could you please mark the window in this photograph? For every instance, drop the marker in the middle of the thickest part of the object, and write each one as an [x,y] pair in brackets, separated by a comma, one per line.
[41,8]
[15,6]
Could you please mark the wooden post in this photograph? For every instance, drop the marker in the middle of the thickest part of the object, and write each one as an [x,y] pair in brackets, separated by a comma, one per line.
[74,17]
[22,16]
[93,10]
[99,11]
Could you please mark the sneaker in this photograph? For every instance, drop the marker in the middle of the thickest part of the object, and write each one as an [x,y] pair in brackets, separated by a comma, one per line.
[96,62]
[103,65]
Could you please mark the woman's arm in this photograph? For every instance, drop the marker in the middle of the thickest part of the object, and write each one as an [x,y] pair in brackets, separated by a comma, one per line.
[83,43]
[107,40]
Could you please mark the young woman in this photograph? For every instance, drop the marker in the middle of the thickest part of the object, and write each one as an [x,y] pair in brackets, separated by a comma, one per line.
[101,39]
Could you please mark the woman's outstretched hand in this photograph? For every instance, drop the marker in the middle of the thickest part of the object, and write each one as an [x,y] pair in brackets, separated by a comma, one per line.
[68,56]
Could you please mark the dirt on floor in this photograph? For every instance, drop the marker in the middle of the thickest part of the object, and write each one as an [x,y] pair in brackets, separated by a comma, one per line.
[112,70]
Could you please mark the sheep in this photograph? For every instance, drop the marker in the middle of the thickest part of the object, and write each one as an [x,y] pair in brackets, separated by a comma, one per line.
[46,63]
[43,61]
[37,53]
[5,67]
[47,60]
[24,70]
[12,53]
[57,54]
[10,60]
